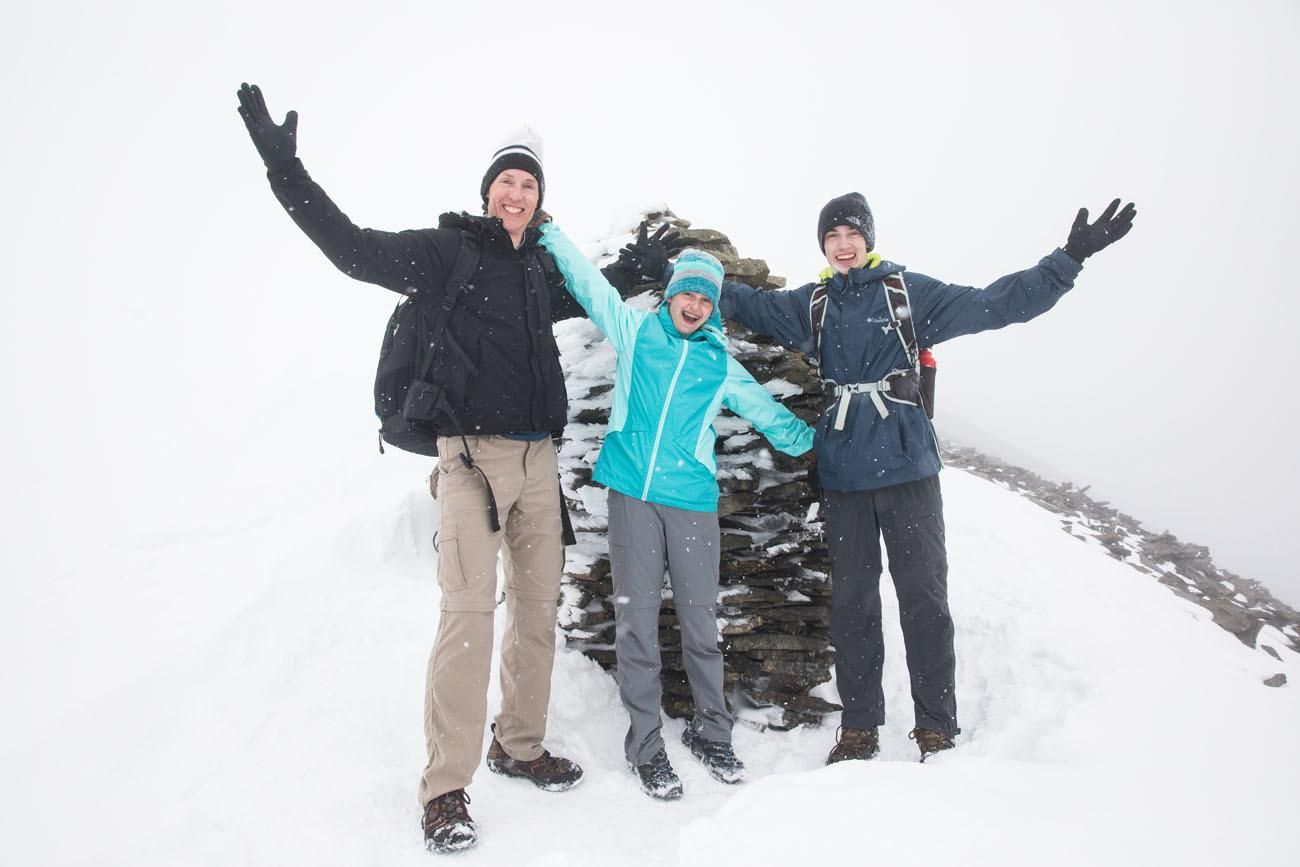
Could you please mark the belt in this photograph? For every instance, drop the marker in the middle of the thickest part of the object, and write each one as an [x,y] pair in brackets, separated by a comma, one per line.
[899,386]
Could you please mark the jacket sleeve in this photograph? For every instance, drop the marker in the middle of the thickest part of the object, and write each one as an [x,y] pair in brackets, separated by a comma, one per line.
[744,396]
[944,311]
[779,313]
[400,261]
[611,314]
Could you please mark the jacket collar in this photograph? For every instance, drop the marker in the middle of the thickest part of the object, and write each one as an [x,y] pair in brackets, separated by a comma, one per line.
[859,278]
[488,229]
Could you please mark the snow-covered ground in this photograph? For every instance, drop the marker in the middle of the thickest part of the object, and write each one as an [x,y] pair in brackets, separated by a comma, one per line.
[217,600]
[274,718]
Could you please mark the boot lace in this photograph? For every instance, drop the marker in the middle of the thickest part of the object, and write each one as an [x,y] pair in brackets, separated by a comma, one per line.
[547,764]
[449,807]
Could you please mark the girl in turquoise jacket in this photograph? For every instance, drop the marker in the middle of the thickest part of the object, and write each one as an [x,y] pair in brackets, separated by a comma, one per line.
[673,376]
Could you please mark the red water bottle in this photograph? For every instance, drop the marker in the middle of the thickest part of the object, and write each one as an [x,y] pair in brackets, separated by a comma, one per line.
[928,369]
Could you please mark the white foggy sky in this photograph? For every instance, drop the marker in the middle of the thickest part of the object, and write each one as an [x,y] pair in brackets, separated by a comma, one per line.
[159,305]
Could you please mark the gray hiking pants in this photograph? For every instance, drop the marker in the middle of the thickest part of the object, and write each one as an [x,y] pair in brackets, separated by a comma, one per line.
[643,538]
[910,519]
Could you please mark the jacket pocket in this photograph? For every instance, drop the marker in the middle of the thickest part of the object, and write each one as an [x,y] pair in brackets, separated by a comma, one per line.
[451,572]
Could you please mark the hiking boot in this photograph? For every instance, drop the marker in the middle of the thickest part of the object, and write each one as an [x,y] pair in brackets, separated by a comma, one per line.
[717,756]
[446,823]
[658,780]
[547,772]
[930,742]
[854,745]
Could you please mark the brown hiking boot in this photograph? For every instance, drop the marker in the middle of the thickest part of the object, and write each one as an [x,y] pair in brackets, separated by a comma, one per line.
[930,742]
[446,823]
[547,772]
[854,744]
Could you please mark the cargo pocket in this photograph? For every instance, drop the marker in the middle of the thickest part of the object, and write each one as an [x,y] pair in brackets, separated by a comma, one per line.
[451,572]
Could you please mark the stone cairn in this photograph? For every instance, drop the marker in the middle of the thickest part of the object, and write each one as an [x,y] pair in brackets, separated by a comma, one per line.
[774,595]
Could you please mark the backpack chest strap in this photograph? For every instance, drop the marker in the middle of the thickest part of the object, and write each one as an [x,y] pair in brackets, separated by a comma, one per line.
[899,386]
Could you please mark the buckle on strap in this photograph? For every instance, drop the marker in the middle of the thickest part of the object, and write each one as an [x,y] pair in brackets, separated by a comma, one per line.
[878,391]
[845,393]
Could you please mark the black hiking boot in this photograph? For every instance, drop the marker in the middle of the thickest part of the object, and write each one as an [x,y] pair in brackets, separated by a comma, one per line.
[547,772]
[716,756]
[446,823]
[658,780]
[930,742]
[854,745]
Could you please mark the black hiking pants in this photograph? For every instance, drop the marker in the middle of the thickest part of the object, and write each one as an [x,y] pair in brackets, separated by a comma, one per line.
[910,519]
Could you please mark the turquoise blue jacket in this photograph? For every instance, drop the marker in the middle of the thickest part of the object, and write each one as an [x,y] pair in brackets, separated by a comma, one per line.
[667,391]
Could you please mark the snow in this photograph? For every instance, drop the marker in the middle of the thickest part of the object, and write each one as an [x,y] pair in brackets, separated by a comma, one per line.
[281,723]
[781,388]
[218,600]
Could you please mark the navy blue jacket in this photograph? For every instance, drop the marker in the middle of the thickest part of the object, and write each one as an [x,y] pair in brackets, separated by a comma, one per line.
[857,345]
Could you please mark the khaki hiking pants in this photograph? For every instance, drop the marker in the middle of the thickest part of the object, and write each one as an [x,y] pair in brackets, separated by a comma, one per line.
[524,480]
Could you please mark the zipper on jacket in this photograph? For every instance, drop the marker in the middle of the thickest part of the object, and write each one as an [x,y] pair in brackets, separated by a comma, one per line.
[663,416]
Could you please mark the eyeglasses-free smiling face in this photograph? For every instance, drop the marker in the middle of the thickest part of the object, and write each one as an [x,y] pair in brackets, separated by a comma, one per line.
[845,248]
[689,311]
[512,198]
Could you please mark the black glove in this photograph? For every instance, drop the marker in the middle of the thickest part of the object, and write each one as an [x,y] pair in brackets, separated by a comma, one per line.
[814,480]
[648,257]
[277,143]
[1086,239]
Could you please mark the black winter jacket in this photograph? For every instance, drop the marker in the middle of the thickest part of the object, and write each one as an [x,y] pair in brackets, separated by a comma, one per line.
[504,324]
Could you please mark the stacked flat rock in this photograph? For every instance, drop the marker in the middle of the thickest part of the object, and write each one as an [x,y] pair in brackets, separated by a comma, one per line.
[774,597]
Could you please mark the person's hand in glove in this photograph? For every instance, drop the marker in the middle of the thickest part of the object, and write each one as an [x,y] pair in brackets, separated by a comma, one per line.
[648,256]
[276,143]
[1087,238]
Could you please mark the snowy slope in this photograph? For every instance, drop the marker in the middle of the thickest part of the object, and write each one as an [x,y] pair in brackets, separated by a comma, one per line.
[1105,721]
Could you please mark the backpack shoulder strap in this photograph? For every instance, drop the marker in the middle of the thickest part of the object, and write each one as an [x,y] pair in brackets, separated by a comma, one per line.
[458,282]
[462,270]
[900,315]
[817,315]
[543,270]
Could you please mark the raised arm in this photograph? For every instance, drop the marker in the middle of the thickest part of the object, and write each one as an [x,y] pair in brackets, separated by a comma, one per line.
[746,398]
[394,260]
[944,311]
[611,314]
[779,313]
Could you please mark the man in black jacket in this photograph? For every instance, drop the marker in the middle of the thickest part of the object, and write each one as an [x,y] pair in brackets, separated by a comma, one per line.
[509,393]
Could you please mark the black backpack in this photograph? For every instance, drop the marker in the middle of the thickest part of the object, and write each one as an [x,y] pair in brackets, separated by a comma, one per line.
[410,390]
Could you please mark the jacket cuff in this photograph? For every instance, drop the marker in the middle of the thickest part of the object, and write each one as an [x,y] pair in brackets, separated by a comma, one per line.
[1064,262]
